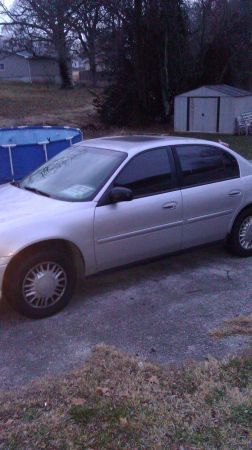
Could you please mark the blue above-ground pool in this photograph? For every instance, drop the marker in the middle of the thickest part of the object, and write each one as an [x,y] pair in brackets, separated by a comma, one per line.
[23,149]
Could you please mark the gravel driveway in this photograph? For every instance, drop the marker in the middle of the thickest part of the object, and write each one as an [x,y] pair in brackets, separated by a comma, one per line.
[161,311]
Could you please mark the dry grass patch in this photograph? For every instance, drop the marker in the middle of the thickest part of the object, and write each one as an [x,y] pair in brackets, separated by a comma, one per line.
[120,402]
[235,326]
[29,104]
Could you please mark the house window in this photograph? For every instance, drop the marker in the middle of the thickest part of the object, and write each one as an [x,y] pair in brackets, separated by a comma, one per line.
[1,66]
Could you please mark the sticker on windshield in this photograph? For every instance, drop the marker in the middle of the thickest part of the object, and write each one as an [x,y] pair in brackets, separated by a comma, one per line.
[78,191]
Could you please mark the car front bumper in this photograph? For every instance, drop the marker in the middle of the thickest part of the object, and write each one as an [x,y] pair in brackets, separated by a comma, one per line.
[3,265]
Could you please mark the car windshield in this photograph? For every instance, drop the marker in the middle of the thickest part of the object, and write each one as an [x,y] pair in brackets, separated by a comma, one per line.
[76,174]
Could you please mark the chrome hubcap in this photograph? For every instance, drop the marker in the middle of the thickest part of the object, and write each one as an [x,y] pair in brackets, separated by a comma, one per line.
[44,285]
[245,233]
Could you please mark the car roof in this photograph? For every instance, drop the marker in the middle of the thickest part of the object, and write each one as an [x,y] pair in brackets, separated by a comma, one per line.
[134,143]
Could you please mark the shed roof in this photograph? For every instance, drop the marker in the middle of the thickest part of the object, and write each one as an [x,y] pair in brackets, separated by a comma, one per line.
[229,90]
[219,90]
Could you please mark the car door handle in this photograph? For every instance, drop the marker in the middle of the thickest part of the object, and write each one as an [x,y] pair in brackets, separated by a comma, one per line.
[233,193]
[170,205]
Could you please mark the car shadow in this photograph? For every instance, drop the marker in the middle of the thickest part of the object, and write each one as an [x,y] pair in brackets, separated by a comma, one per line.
[125,278]
[165,266]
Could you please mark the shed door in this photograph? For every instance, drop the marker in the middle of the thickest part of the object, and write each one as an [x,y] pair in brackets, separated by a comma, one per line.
[203,114]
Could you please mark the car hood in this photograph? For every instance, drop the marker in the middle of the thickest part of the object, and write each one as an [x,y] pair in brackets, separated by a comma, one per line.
[17,204]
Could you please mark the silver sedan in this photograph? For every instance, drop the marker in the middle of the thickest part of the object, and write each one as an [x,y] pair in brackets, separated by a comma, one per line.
[112,201]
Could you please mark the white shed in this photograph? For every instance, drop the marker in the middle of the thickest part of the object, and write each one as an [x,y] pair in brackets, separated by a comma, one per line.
[211,109]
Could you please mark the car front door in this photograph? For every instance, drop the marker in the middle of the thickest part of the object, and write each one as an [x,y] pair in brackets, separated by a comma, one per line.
[148,225]
[211,192]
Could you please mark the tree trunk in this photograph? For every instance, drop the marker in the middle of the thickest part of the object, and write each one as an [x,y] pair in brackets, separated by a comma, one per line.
[165,77]
[138,57]
[66,79]
[93,73]
[62,56]
[92,63]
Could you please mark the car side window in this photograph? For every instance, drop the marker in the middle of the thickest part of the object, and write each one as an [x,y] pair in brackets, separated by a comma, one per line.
[148,173]
[202,164]
[231,165]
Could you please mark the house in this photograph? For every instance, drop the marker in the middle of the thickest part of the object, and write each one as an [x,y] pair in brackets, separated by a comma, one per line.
[82,71]
[79,63]
[211,109]
[23,66]
[83,64]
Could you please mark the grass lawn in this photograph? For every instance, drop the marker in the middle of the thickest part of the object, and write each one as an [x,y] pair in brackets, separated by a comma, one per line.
[23,104]
[119,402]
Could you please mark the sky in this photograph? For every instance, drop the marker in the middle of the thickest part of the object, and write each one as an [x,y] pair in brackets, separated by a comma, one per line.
[8,2]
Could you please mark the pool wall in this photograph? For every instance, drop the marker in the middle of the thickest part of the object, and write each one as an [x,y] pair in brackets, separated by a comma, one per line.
[18,157]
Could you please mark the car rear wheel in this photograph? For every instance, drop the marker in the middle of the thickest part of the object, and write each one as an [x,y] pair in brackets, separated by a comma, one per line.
[240,240]
[40,283]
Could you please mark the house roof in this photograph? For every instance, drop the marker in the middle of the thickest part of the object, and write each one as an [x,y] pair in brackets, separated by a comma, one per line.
[25,54]
[228,90]
[28,55]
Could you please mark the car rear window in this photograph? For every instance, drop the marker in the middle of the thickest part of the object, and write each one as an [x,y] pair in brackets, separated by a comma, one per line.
[201,164]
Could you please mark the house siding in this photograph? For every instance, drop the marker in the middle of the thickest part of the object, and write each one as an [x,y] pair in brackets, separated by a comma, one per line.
[16,68]
[44,70]
[27,69]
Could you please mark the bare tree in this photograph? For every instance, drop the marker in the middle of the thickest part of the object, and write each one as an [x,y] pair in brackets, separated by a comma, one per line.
[221,37]
[151,60]
[48,21]
[87,24]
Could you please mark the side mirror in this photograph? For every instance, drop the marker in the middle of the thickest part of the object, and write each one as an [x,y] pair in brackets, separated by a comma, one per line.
[120,194]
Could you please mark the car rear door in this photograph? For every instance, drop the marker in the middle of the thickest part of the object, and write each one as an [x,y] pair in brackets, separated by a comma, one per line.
[211,192]
[151,223]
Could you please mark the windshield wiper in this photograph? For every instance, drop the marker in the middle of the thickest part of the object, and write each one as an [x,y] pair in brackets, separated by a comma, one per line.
[36,191]
[15,183]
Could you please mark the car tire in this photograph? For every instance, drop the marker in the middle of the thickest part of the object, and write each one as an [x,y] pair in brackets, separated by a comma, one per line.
[40,282]
[240,239]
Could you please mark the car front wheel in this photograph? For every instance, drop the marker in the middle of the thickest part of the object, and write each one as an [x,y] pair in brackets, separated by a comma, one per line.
[40,283]
[240,240]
